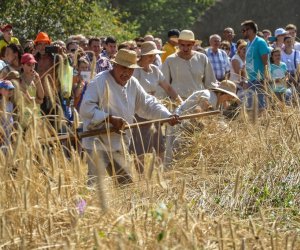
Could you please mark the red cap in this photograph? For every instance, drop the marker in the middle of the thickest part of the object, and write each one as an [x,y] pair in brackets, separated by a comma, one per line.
[28,58]
[5,27]
[42,37]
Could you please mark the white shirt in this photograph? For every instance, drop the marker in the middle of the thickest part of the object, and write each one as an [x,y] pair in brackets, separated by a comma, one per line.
[104,97]
[187,76]
[149,80]
[289,60]
[235,77]
[202,99]
[297,46]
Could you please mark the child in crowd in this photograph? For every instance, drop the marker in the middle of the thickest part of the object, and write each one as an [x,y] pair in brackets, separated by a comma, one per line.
[279,75]
[81,81]
[6,110]
[31,86]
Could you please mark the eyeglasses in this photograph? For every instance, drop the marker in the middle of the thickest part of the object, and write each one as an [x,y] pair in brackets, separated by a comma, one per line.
[244,30]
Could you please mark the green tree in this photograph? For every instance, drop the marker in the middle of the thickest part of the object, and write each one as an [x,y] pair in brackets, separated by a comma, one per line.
[61,18]
[158,16]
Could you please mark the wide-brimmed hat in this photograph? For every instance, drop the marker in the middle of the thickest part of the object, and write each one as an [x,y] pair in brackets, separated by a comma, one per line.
[28,58]
[5,84]
[227,87]
[126,58]
[186,35]
[150,48]
[5,26]
[42,37]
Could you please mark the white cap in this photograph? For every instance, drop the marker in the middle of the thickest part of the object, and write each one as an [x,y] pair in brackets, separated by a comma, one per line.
[280,31]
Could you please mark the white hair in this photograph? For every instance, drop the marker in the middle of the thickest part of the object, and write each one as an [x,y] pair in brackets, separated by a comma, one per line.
[214,36]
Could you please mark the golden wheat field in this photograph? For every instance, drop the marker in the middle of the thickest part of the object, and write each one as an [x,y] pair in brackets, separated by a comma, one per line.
[234,185]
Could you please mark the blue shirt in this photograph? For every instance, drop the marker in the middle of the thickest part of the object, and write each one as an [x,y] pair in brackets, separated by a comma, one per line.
[254,64]
[232,50]
[220,63]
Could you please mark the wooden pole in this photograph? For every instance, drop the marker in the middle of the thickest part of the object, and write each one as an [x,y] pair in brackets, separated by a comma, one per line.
[95,132]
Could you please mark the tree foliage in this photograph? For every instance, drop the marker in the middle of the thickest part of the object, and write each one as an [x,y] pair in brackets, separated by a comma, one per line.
[158,16]
[61,18]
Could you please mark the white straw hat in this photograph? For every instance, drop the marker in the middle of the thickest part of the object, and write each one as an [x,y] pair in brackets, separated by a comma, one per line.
[186,35]
[149,48]
[127,58]
[228,87]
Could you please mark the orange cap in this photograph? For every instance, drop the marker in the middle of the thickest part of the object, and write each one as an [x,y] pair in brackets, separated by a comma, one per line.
[42,37]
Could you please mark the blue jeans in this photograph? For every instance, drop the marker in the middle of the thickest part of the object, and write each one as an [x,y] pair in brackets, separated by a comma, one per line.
[256,87]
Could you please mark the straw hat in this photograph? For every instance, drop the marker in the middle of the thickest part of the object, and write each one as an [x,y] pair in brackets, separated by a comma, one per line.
[126,58]
[227,87]
[186,35]
[149,48]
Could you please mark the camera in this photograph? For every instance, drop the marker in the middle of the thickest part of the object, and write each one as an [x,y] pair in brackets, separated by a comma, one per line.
[51,49]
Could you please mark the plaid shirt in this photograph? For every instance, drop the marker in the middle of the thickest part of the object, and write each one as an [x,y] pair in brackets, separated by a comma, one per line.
[103,64]
[220,63]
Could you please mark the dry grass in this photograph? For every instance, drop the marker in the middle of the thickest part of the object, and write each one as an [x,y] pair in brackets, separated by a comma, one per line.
[232,187]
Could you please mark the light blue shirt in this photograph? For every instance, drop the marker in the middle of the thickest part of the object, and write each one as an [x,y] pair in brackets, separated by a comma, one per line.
[254,64]
[278,72]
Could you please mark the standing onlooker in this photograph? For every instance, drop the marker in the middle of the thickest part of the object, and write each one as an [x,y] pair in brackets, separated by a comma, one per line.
[279,33]
[257,58]
[279,75]
[95,46]
[110,47]
[188,70]
[225,45]
[158,43]
[267,34]
[81,82]
[13,54]
[102,63]
[72,46]
[170,46]
[228,35]
[31,86]
[218,58]
[292,29]
[291,58]
[8,37]
[6,110]
[44,66]
[238,61]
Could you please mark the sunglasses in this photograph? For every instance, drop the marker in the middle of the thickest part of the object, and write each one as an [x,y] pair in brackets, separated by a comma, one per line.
[244,30]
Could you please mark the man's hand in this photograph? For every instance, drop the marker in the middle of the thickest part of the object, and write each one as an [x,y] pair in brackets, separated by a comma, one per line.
[174,120]
[117,122]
